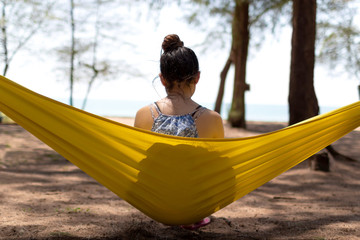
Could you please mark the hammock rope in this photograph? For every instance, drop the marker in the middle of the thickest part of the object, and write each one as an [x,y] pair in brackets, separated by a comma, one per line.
[171,179]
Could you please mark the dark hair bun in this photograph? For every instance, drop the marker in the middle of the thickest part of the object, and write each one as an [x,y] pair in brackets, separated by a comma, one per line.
[172,42]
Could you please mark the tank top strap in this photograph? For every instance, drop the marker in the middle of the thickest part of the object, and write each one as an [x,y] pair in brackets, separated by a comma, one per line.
[154,105]
[197,112]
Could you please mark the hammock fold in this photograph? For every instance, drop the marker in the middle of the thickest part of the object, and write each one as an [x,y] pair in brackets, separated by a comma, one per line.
[171,179]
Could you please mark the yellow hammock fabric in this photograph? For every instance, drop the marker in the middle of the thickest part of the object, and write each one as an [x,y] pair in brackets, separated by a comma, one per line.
[173,180]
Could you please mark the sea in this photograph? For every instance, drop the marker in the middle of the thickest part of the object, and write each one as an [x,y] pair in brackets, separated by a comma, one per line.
[124,108]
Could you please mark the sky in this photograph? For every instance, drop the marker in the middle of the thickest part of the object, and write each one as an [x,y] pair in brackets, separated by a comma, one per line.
[267,70]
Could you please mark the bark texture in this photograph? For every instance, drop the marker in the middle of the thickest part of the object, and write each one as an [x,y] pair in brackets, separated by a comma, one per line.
[240,31]
[303,103]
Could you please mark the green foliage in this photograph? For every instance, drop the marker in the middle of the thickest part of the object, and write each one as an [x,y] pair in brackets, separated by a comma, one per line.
[268,17]
[20,20]
[215,18]
[338,36]
[94,34]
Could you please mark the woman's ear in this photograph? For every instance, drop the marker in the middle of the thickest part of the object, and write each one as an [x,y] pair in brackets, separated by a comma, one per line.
[162,79]
[197,77]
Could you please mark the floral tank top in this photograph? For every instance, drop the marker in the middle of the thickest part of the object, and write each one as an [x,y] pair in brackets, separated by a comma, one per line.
[177,125]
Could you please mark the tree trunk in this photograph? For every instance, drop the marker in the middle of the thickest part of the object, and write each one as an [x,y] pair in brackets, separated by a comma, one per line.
[320,162]
[303,103]
[4,40]
[72,51]
[240,36]
[90,84]
[223,75]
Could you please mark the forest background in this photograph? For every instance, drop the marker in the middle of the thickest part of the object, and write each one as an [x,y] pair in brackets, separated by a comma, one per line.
[113,47]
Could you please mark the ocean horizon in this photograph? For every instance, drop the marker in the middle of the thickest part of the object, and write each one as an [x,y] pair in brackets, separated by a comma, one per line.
[124,108]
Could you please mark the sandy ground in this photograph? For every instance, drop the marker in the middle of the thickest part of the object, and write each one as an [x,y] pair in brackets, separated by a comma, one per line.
[43,196]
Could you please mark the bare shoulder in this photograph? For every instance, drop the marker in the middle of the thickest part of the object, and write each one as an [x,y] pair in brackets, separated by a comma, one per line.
[210,124]
[143,118]
[210,115]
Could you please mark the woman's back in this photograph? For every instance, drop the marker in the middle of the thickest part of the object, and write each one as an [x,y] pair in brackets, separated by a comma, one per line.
[170,118]
[178,125]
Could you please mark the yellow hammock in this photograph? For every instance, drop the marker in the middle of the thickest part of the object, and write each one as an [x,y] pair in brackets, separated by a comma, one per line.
[171,179]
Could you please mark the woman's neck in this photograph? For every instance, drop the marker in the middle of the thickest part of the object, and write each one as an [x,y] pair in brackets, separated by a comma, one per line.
[180,93]
[176,104]
[178,97]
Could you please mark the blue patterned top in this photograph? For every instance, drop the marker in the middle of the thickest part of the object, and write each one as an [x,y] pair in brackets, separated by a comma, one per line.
[177,125]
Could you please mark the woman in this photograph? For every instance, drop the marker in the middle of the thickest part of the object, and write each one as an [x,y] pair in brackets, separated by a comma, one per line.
[177,114]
